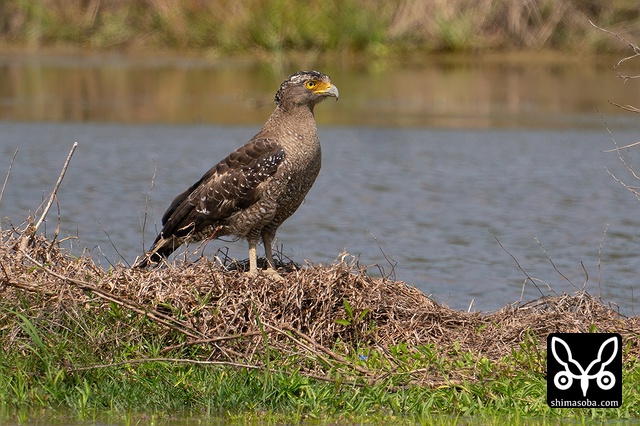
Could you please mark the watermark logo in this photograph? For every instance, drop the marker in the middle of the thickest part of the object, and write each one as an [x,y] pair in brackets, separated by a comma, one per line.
[584,370]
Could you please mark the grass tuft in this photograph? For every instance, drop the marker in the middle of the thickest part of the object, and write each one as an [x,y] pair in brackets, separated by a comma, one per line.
[331,344]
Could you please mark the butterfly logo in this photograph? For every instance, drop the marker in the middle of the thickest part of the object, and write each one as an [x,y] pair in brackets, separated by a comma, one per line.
[573,370]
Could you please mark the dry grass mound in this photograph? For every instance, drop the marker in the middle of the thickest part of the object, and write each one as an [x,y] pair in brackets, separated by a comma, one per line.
[314,311]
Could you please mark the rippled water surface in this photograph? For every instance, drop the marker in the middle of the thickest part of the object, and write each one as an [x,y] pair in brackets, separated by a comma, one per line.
[429,192]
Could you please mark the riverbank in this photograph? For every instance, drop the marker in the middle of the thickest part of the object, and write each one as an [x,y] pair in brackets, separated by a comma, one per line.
[374,28]
[332,343]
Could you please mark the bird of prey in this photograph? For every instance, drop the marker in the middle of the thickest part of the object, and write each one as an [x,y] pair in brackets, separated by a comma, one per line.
[251,192]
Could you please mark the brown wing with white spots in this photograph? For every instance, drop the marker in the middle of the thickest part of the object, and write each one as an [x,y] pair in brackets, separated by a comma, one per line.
[229,187]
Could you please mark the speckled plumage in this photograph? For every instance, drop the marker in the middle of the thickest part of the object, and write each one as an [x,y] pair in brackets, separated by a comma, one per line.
[251,192]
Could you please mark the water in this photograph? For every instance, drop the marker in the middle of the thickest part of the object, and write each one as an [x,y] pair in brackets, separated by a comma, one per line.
[430,202]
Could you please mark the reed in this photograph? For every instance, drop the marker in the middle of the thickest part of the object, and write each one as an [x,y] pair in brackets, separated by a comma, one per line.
[373,27]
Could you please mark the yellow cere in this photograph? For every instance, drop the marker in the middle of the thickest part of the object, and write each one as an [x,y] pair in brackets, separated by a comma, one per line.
[317,86]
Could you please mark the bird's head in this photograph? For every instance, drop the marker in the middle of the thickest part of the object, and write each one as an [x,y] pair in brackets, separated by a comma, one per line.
[305,88]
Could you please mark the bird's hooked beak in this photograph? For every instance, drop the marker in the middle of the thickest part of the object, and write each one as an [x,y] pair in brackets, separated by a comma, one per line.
[327,89]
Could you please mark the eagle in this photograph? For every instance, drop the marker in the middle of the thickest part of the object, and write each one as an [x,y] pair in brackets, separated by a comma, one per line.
[252,191]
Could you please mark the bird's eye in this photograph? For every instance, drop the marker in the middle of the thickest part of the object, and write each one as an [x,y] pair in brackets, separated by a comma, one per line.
[310,84]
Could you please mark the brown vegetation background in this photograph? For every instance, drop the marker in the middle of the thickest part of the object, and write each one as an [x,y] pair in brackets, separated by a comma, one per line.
[371,26]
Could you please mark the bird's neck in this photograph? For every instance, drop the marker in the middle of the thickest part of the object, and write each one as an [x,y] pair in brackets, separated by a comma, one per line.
[293,120]
[304,111]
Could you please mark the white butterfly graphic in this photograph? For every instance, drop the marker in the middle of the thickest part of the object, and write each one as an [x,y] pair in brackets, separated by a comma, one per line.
[564,379]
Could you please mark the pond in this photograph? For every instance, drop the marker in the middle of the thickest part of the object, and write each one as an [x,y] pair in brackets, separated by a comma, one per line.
[459,176]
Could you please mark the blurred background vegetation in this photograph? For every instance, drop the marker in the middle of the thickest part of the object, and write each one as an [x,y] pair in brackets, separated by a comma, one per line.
[374,27]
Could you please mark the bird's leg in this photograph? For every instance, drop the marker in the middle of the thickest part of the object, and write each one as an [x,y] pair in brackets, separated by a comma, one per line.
[268,251]
[267,239]
[253,258]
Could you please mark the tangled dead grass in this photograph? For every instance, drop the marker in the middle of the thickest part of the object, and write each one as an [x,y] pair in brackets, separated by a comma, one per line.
[234,316]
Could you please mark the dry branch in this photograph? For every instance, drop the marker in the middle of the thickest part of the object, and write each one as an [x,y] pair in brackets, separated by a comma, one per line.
[631,45]
[635,190]
[108,296]
[6,179]
[54,192]
[30,232]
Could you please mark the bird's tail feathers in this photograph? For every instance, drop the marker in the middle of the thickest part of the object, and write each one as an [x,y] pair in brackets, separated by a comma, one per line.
[161,249]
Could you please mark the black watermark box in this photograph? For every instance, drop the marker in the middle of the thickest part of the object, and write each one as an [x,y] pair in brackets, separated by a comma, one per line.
[584,370]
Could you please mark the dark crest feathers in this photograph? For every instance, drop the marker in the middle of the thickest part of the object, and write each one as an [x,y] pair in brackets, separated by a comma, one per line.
[298,77]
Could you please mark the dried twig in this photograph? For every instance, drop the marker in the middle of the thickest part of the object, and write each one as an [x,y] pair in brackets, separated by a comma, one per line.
[28,234]
[618,148]
[168,360]
[6,179]
[526,274]
[147,204]
[103,294]
[633,46]
[328,351]
[629,108]
[555,268]
[202,362]
[54,192]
